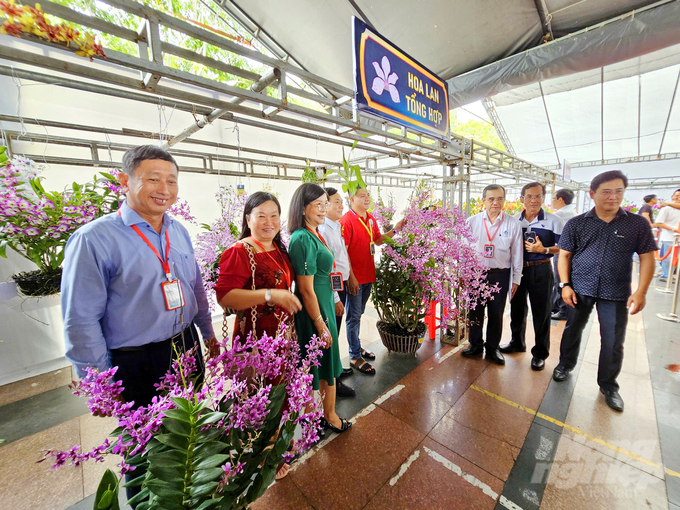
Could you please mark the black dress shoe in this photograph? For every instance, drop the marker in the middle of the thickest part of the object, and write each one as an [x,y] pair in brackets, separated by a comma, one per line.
[537,363]
[472,350]
[561,373]
[509,348]
[342,390]
[558,317]
[345,373]
[495,356]
[613,399]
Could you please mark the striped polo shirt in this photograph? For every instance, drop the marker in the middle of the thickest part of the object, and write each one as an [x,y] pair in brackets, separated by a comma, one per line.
[548,228]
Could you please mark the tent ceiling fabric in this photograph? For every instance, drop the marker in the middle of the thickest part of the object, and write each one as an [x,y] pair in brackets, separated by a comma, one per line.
[450,37]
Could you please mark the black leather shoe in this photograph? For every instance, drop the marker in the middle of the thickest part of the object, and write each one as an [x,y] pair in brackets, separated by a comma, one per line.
[558,317]
[495,356]
[613,399]
[561,373]
[509,348]
[472,350]
[537,363]
[345,373]
[342,390]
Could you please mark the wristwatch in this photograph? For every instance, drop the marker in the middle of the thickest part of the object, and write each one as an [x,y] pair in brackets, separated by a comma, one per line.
[268,296]
[565,284]
[547,251]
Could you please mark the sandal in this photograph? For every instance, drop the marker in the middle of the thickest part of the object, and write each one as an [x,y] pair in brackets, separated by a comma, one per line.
[328,425]
[364,368]
[367,355]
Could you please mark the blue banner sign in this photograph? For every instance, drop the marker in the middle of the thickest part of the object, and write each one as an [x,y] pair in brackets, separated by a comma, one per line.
[390,84]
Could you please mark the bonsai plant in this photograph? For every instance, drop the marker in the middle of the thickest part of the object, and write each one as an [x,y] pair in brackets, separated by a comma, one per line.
[431,259]
[37,223]
[216,446]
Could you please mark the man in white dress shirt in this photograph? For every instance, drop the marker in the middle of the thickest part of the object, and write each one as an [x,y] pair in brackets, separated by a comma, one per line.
[565,209]
[668,222]
[500,244]
[331,230]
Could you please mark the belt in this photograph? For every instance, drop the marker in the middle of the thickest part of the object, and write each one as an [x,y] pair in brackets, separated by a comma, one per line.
[163,344]
[536,262]
[497,269]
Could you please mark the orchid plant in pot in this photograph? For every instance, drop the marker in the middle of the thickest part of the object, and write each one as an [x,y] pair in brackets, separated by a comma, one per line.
[431,259]
[37,223]
[210,446]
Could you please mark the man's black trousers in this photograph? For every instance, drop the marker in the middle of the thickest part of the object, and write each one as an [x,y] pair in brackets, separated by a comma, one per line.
[537,283]
[495,307]
[613,317]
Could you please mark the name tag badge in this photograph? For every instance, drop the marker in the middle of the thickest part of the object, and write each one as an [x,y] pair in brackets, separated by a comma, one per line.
[337,285]
[174,297]
[489,250]
[372,248]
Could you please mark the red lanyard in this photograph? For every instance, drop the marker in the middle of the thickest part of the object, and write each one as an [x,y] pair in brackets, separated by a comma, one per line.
[164,263]
[284,269]
[497,229]
[323,241]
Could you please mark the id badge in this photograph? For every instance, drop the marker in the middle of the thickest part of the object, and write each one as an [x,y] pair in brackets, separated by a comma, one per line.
[489,251]
[372,248]
[337,285]
[174,297]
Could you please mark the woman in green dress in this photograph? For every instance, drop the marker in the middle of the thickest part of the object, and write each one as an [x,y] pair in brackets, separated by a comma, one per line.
[312,260]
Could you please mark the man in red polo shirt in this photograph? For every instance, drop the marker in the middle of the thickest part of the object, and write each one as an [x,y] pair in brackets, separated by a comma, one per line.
[362,235]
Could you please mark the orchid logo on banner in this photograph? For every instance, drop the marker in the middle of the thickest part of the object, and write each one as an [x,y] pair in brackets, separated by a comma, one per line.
[385,81]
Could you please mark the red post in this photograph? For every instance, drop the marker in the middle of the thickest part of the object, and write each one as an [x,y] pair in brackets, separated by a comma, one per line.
[431,319]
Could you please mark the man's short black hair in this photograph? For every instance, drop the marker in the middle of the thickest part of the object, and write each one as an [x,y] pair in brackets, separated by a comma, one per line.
[492,187]
[532,185]
[676,191]
[609,176]
[566,195]
[331,191]
[648,198]
[134,157]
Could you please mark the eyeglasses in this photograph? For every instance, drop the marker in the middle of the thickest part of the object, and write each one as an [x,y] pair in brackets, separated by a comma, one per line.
[610,192]
[498,200]
[533,197]
[321,206]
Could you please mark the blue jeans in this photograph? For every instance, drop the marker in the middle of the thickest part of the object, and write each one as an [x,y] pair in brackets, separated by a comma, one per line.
[355,306]
[665,264]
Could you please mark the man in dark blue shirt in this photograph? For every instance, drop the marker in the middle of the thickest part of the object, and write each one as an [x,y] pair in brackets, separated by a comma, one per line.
[596,267]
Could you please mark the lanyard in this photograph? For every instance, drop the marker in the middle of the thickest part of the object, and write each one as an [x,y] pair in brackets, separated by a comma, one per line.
[497,229]
[370,234]
[284,269]
[323,241]
[164,263]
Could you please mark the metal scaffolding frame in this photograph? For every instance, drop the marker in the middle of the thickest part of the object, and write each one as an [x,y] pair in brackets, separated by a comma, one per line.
[391,150]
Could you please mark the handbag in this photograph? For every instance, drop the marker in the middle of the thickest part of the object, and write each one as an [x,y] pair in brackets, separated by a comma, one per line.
[253,310]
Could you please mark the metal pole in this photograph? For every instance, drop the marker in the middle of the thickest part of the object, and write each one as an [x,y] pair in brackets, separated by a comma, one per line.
[668,290]
[258,86]
[673,316]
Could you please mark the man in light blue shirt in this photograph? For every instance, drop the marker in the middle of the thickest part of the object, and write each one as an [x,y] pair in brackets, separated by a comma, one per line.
[120,293]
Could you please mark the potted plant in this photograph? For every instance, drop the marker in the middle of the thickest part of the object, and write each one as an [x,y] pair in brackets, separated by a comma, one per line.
[214,447]
[384,214]
[37,223]
[431,259]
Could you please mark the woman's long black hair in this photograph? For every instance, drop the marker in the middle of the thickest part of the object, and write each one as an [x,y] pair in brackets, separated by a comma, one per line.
[303,196]
[255,200]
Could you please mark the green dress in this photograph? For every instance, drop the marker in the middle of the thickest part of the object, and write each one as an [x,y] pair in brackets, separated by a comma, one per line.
[309,257]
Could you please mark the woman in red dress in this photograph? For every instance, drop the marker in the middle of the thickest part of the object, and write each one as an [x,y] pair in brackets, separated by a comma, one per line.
[270,295]
[256,275]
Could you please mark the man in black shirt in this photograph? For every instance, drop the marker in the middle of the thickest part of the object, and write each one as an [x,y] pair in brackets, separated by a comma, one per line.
[646,210]
[596,267]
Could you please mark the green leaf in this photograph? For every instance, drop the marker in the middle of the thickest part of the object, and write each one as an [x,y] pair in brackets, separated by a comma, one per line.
[174,441]
[354,145]
[207,475]
[178,414]
[177,427]
[209,418]
[212,461]
[210,448]
[208,435]
[171,473]
[209,504]
[203,489]
[106,497]
[168,457]
[183,403]
[139,497]
[165,489]
[3,248]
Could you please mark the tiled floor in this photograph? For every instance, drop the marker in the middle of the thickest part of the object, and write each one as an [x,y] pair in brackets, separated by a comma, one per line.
[446,433]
